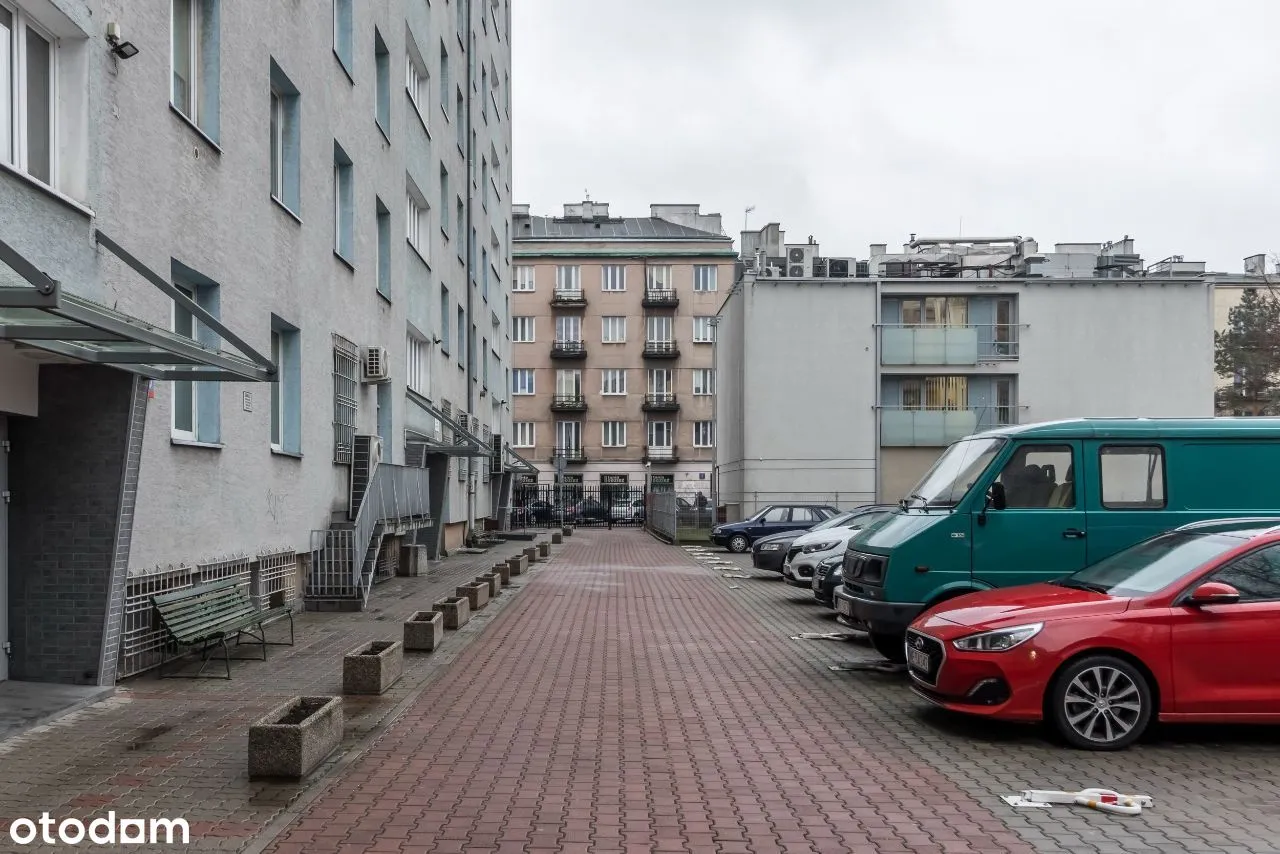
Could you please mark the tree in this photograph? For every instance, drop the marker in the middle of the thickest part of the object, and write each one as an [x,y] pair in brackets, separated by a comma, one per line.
[1248,352]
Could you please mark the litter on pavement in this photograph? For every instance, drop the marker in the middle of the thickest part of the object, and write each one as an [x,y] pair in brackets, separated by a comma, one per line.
[1104,800]
[838,636]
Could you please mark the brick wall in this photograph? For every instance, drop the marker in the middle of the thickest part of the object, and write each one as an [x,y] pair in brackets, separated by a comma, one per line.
[65,473]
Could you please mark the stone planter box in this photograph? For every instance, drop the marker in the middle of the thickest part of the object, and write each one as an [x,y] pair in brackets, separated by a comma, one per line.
[532,554]
[504,572]
[518,564]
[413,561]
[477,594]
[567,531]
[291,740]
[556,538]
[456,611]
[424,631]
[544,549]
[372,668]
[494,581]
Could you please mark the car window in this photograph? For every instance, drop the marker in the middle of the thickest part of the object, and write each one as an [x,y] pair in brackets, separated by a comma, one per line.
[775,514]
[804,514]
[833,521]
[862,520]
[1256,575]
[1040,477]
[1153,564]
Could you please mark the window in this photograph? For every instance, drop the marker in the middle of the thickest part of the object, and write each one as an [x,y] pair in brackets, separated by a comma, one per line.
[704,277]
[704,434]
[804,514]
[1256,575]
[416,80]
[660,384]
[523,435]
[484,362]
[382,83]
[1039,477]
[658,278]
[614,330]
[935,311]
[416,363]
[704,381]
[446,89]
[1132,477]
[484,182]
[613,434]
[185,415]
[462,334]
[569,329]
[569,383]
[776,514]
[344,214]
[286,141]
[460,224]
[522,330]
[523,280]
[704,330]
[343,27]
[568,278]
[196,405]
[658,330]
[613,277]
[383,414]
[484,94]
[444,201]
[417,221]
[444,320]
[462,18]
[193,90]
[522,381]
[286,392]
[613,381]
[569,435]
[935,393]
[659,434]
[383,218]
[459,109]
[484,272]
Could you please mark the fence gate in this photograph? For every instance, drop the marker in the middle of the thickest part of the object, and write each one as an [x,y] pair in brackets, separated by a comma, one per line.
[546,505]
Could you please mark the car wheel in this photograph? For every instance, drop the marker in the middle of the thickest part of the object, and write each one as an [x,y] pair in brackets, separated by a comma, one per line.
[739,543]
[1100,703]
[890,646]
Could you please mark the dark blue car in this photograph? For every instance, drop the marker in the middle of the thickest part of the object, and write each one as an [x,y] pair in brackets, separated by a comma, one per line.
[774,519]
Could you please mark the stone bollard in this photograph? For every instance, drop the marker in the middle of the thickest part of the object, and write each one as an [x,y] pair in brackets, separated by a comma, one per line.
[518,564]
[291,740]
[504,572]
[532,554]
[477,595]
[456,610]
[567,531]
[495,583]
[424,631]
[556,538]
[544,549]
[373,667]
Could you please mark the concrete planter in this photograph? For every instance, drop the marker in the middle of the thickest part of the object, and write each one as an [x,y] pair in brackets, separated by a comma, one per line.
[291,740]
[372,668]
[424,631]
[567,531]
[504,572]
[477,594]
[494,581]
[556,538]
[518,564]
[456,611]
[413,561]
[532,554]
[544,549]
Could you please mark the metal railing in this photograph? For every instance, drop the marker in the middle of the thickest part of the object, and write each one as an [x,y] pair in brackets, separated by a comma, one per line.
[939,426]
[660,297]
[660,400]
[573,349]
[568,402]
[968,344]
[345,558]
[568,296]
[661,348]
[660,453]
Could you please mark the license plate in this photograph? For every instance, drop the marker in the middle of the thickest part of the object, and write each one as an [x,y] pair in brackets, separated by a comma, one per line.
[918,660]
[844,607]
[816,583]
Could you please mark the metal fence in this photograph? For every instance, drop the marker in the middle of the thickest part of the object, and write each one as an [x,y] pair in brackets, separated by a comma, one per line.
[549,506]
[736,506]
[682,517]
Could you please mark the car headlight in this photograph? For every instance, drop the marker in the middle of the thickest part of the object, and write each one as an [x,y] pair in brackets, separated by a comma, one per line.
[820,547]
[1000,640]
[771,547]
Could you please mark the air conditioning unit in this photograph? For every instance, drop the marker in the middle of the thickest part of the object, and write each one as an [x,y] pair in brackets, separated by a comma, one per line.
[376,364]
[800,259]
[838,268]
[820,268]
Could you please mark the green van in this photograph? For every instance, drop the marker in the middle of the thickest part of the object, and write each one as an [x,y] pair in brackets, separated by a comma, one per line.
[1031,502]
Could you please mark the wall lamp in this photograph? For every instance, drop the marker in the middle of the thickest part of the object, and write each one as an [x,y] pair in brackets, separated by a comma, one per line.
[122,49]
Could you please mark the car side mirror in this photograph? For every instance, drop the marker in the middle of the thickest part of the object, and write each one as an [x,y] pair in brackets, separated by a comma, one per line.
[1213,593]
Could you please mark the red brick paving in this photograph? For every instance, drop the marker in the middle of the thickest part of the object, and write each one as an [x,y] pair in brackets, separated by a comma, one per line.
[626,702]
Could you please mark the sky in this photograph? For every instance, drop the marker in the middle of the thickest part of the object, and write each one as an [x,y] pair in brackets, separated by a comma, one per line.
[864,121]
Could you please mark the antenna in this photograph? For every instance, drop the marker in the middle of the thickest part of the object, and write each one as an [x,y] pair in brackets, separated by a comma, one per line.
[587,195]
[746,217]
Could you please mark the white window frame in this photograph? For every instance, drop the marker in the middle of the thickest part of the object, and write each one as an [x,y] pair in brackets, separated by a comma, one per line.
[705,278]
[174,431]
[618,387]
[569,382]
[519,388]
[565,429]
[668,384]
[613,278]
[704,330]
[566,324]
[609,335]
[523,281]
[704,434]
[659,277]
[613,434]
[193,73]
[277,144]
[704,382]
[417,371]
[523,329]
[518,439]
[659,323]
[418,223]
[650,432]
[416,79]
[568,278]
[16,150]
[277,391]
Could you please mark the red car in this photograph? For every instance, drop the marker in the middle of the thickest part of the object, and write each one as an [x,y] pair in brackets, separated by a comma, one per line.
[1183,627]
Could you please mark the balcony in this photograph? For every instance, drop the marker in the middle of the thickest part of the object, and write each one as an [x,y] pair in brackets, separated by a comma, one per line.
[661,454]
[568,350]
[569,298]
[661,402]
[660,298]
[568,403]
[661,350]
[948,345]
[936,428]
[571,455]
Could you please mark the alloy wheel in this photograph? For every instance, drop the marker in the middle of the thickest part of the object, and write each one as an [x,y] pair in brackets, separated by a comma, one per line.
[1102,703]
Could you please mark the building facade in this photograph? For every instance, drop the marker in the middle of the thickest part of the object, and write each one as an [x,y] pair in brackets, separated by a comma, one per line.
[612,352]
[843,379]
[255,267]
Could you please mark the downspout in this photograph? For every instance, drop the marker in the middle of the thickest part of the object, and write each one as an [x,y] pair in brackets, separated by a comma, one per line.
[879,404]
[469,230]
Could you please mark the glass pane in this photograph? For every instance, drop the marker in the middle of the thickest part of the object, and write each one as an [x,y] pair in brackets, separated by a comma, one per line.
[277,397]
[182,82]
[183,405]
[6,85]
[275,145]
[39,105]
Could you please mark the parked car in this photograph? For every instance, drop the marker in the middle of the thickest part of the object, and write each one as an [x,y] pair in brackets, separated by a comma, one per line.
[537,512]
[820,543]
[770,552]
[1183,626]
[628,510]
[589,510]
[774,519]
[826,578]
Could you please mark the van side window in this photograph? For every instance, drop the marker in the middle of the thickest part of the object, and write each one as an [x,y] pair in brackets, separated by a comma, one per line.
[1132,477]
[1040,477]
[1256,575]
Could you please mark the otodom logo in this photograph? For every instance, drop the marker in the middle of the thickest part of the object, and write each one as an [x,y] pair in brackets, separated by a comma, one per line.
[108,830]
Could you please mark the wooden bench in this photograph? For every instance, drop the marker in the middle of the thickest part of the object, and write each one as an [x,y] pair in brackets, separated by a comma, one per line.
[209,615]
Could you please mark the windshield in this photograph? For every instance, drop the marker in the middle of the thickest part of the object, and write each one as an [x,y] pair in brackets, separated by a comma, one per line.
[834,522]
[955,472]
[1151,565]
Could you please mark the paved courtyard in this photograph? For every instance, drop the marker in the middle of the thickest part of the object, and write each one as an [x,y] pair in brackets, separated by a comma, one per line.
[629,697]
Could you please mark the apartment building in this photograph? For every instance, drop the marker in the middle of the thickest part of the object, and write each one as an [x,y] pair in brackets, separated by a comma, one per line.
[253,297]
[612,345]
[844,378]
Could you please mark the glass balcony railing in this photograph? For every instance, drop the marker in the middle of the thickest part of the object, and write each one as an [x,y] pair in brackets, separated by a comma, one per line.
[938,427]
[947,345]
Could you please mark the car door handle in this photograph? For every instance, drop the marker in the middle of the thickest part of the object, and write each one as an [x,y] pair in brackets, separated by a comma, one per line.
[1073,534]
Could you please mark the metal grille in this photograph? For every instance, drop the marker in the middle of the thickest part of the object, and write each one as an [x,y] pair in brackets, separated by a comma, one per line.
[388,561]
[346,361]
[143,637]
[333,556]
[275,578]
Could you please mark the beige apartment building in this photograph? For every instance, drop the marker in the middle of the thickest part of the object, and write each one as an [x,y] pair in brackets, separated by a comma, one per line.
[613,357]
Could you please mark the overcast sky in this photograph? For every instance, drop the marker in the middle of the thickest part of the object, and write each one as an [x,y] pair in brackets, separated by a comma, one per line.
[861,121]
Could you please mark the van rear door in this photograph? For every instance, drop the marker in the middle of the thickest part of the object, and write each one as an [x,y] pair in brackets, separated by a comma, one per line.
[1041,534]
[1128,494]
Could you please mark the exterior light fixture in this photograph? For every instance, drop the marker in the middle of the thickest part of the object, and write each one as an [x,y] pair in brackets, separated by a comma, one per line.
[121,48]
